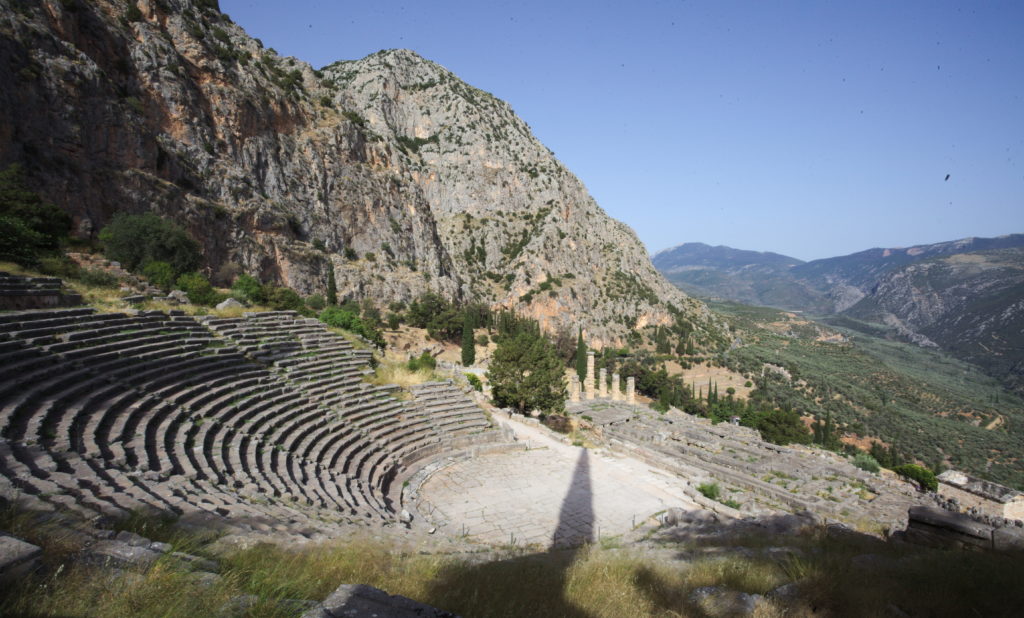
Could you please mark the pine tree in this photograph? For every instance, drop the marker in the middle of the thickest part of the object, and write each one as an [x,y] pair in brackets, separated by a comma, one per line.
[581,357]
[526,374]
[332,287]
[468,344]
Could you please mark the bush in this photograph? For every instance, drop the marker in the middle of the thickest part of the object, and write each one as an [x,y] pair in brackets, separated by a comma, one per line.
[60,266]
[18,201]
[340,317]
[425,361]
[198,288]
[866,462]
[316,302]
[711,491]
[283,299]
[248,288]
[393,321]
[160,274]
[475,382]
[135,240]
[924,477]
[18,242]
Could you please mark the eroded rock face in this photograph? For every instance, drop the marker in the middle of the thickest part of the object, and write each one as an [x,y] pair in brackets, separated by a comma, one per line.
[388,169]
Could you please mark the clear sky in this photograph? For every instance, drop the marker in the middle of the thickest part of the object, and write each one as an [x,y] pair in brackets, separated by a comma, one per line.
[811,129]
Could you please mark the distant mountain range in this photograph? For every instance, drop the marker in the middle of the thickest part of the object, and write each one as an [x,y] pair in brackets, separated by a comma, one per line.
[965,296]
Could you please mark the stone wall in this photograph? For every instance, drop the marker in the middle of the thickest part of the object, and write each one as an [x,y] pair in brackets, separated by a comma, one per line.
[935,527]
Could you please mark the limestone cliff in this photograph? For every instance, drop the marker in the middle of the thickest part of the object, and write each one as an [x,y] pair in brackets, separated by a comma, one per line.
[389,169]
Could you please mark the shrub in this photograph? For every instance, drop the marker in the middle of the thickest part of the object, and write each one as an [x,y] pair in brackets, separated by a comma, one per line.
[18,242]
[60,266]
[425,361]
[316,302]
[160,274]
[711,491]
[394,320]
[134,240]
[18,201]
[198,288]
[924,477]
[248,288]
[283,299]
[866,462]
[340,317]
[475,382]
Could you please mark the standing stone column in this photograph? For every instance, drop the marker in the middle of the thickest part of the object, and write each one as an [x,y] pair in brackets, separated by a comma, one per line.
[602,383]
[590,375]
[616,393]
[631,390]
[574,388]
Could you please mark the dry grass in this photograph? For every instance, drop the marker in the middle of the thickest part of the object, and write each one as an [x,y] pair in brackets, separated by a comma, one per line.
[396,372]
[592,581]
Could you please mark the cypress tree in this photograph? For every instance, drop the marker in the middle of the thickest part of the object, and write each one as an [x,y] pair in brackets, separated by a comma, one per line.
[468,345]
[332,287]
[581,357]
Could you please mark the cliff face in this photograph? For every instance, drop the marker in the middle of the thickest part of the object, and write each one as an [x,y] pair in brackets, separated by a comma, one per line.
[389,169]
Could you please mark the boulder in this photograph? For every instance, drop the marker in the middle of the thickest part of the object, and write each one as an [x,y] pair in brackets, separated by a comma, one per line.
[361,601]
[230,303]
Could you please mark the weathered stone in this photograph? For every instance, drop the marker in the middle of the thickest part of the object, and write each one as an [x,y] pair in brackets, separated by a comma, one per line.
[121,555]
[179,296]
[361,601]
[616,393]
[132,539]
[17,558]
[602,383]
[589,382]
[230,303]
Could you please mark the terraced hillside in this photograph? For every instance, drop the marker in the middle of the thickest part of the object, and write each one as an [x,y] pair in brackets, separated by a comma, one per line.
[264,418]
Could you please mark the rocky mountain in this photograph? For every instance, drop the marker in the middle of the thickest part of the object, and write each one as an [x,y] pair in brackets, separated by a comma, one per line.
[969,304]
[751,277]
[390,169]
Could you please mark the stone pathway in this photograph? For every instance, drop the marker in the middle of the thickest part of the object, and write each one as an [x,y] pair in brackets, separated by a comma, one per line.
[553,494]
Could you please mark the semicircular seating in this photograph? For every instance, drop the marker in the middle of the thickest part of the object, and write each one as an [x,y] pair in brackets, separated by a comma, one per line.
[265,417]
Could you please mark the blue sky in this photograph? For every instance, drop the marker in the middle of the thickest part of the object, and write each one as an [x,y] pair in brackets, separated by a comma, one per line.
[811,129]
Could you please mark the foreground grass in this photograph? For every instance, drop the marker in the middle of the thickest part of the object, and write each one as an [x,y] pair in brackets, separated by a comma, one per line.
[397,372]
[592,581]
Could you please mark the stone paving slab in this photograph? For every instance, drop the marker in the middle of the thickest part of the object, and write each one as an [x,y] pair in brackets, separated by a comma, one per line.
[552,495]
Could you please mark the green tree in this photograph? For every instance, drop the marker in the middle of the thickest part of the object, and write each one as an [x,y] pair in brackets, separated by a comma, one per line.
[581,356]
[18,201]
[468,343]
[134,240]
[526,374]
[339,317]
[924,477]
[783,427]
[332,286]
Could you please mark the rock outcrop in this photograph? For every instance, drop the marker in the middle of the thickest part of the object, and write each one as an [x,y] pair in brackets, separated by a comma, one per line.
[389,169]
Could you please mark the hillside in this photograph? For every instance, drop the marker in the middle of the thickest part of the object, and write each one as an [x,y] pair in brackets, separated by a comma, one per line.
[390,170]
[934,408]
[969,304]
[963,296]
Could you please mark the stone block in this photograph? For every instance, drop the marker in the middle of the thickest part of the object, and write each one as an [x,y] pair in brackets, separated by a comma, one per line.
[119,555]
[956,522]
[17,558]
